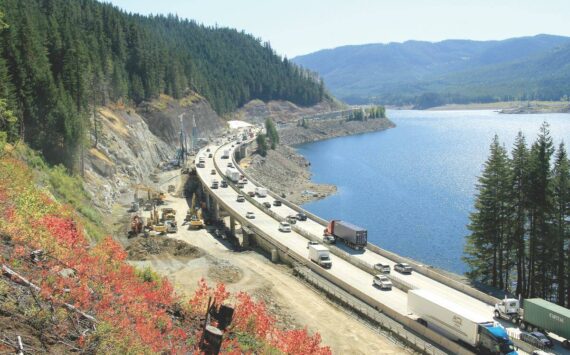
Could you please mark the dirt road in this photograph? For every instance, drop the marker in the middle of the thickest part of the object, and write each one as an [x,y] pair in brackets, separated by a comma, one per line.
[292,302]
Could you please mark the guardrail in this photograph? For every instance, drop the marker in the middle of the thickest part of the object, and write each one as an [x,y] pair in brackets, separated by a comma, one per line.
[422,269]
[429,334]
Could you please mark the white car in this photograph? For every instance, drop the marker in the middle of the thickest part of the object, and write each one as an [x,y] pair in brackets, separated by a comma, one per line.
[284,227]
[383,282]
[250,215]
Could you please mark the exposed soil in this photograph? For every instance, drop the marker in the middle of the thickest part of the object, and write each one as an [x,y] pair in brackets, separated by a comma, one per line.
[141,248]
[286,172]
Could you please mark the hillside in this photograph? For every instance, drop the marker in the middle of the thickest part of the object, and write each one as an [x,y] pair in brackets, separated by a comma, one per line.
[60,58]
[427,74]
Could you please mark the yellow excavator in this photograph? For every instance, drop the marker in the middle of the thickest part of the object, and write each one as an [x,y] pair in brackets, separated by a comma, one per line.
[154,223]
[194,215]
[153,195]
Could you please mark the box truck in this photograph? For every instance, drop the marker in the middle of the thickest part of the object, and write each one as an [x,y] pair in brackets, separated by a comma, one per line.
[353,236]
[226,154]
[320,254]
[232,174]
[459,323]
[536,314]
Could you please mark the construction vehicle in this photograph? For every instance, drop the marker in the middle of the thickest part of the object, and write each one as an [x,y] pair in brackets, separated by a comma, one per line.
[136,227]
[154,223]
[459,323]
[194,215]
[168,214]
[353,236]
[153,195]
[537,315]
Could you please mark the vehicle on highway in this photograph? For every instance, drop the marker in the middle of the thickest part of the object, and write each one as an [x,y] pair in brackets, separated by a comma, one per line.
[230,165]
[536,314]
[244,179]
[251,194]
[240,198]
[226,154]
[382,281]
[207,149]
[403,268]
[261,191]
[266,205]
[291,219]
[214,184]
[224,183]
[383,268]
[210,155]
[536,339]
[200,165]
[320,255]
[329,239]
[250,215]
[459,323]
[353,236]
[301,216]
[284,227]
[213,172]
[240,185]
[312,242]
[276,203]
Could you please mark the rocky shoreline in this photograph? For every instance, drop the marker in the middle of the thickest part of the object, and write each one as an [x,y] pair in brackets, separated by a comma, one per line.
[287,173]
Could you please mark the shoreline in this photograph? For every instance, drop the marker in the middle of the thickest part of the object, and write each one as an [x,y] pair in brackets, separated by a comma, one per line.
[287,173]
[509,107]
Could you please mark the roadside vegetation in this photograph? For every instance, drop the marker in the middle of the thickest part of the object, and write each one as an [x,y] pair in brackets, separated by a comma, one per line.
[520,237]
[74,295]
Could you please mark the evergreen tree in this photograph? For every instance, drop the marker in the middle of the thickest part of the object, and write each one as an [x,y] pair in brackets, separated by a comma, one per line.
[487,244]
[561,184]
[271,132]
[541,243]
[261,144]
[519,206]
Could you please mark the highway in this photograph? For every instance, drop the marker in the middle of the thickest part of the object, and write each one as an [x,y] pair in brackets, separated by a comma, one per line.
[358,278]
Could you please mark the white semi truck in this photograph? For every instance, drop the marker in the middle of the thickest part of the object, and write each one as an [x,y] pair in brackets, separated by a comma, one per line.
[261,191]
[232,174]
[459,323]
[226,154]
[320,254]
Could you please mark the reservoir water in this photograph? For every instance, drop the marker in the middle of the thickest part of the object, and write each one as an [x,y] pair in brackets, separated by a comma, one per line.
[413,186]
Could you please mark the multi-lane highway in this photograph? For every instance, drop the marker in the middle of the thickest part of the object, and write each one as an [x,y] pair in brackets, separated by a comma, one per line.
[358,278]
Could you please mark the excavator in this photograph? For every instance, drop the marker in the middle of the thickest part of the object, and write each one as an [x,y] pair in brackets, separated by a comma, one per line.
[136,227]
[153,195]
[194,215]
[154,223]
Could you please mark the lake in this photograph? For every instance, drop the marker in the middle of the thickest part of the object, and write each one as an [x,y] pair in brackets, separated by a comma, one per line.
[413,186]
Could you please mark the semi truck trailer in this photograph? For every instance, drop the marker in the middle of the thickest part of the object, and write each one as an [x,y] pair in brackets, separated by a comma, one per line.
[353,236]
[320,254]
[536,314]
[458,323]
[226,154]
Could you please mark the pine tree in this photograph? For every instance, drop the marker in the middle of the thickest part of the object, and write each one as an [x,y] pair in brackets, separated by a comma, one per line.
[561,184]
[486,245]
[519,205]
[540,246]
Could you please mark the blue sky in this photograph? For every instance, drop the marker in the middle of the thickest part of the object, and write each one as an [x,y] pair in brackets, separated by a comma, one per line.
[295,27]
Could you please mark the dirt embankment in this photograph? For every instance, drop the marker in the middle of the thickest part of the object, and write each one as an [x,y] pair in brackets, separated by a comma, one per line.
[287,173]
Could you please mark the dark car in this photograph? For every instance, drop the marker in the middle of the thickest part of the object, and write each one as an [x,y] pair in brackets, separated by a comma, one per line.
[276,203]
[536,338]
[224,183]
[301,216]
[403,268]
[267,205]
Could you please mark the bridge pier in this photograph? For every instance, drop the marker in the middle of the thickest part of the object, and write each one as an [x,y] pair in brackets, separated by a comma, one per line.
[232,225]
[215,209]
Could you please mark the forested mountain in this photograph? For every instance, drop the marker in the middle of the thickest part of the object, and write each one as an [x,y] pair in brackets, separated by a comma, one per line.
[58,58]
[427,74]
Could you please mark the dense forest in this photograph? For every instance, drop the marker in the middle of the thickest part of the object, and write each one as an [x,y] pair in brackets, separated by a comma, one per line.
[426,74]
[60,58]
[520,235]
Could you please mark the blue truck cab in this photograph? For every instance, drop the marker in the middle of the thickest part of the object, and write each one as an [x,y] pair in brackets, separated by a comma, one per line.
[493,339]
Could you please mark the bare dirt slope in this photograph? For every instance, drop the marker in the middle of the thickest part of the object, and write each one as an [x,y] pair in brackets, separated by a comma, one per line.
[292,302]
